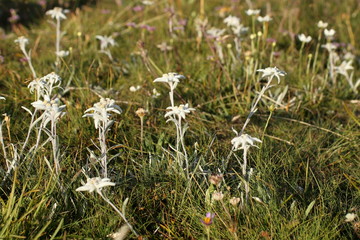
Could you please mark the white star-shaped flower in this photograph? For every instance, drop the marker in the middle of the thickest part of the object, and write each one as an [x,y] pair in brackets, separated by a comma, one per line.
[180,111]
[304,39]
[57,13]
[244,141]
[322,24]
[95,183]
[272,72]
[266,18]
[252,12]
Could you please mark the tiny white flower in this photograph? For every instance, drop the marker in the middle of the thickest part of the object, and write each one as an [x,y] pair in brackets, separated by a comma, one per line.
[272,72]
[2,98]
[134,88]
[234,201]
[244,141]
[57,13]
[304,39]
[62,53]
[100,112]
[164,47]
[232,21]
[322,24]
[266,18]
[180,111]
[350,217]
[105,41]
[217,196]
[22,41]
[155,93]
[147,2]
[95,183]
[252,12]
[329,46]
[344,67]
[170,78]
[215,33]
[329,33]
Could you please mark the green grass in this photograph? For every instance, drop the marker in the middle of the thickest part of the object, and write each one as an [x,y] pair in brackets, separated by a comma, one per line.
[306,170]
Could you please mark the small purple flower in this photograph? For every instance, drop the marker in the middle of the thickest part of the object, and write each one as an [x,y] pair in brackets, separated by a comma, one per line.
[14,17]
[276,54]
[42,3]
[23,59]
[182,22]
[208,219]
[131,24]
[105,11]
[148,28]
[270,40]
[138,8]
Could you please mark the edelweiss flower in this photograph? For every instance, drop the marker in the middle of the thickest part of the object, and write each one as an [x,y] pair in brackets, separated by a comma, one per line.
[54,113]
[100,111]
[217,196]
[95,183]
[46,104]
[244,141]
[215,33]
[267,18]
[304,39]
[232,21]
[57,13]
[252,12]
[22,41]
[62,53]
[322,24]
[170,78]
[350,217]
[329,46]
[164,47]
[272,72]
[329,33]
[105,41]
[344,67]
[180,111]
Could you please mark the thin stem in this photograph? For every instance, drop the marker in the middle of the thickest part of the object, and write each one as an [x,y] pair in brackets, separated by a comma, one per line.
[58,33]
[119,212]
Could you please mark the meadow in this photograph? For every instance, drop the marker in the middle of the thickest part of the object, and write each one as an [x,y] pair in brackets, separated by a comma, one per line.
[181,119]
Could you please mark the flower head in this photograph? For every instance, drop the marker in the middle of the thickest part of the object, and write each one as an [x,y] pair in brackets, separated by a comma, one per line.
[208,219]
[244,141]
[170,78]
[101,112]
[22,41]
[234,201]
[105,41]
[252,12]
[216,179]
[95,183]
[304,39]
[57,13]
[329,33]
[266,18]
[217,196]
[272,72]
[350,217]
[322,24]
[344,67]
[215,33]
[164,47]
[180,111]
[62,53]
[232,21]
